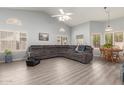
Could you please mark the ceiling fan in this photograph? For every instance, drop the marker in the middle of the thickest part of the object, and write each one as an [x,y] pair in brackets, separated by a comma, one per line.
[63,16]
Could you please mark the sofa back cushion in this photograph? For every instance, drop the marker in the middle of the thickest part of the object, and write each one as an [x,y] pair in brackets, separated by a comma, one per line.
[81,48]
[88,49]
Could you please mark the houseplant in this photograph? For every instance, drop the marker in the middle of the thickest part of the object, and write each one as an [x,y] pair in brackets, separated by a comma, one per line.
[8,56]
[107,45]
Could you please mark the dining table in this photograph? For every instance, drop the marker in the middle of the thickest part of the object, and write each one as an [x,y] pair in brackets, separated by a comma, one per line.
[111,54]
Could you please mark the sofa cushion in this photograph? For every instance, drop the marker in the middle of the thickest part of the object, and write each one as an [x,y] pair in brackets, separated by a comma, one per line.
[80,48]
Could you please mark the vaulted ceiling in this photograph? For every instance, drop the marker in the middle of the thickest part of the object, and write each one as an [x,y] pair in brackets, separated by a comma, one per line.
[80,14]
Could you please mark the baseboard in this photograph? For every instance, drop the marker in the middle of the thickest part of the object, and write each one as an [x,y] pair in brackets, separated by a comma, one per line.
[96,55]
[19,59]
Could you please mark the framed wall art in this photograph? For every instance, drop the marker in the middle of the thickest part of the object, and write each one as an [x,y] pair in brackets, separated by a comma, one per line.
[43,36]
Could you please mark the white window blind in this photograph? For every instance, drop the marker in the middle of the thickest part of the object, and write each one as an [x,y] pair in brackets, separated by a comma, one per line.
[13,40]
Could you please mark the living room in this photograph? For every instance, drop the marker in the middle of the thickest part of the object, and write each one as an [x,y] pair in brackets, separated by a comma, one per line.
[67,49]
[61,46]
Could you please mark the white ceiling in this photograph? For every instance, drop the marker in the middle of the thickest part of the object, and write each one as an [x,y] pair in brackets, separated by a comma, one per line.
[81,14]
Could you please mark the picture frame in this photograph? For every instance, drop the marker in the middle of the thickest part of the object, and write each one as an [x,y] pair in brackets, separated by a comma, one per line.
[80,39]
[43,36]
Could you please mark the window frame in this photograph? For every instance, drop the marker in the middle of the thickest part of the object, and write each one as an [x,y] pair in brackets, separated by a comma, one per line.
[15,50]
[118,32]
[102,37]
[112,36]
[100,34]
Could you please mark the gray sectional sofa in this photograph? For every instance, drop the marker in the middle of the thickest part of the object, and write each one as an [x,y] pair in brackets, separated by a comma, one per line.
[67,51]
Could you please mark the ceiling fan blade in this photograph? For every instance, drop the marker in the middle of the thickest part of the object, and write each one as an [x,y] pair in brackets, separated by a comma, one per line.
[61,11]
[69,14]
[56,15]
[69,18]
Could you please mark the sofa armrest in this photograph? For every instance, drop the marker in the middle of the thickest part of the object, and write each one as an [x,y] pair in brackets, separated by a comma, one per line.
[88,56]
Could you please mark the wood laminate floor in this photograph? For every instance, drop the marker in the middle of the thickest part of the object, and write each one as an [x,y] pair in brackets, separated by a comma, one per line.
[61,71]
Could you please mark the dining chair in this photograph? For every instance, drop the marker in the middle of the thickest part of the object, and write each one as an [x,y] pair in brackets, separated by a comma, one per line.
[111,56]
[101,52]
[116,56]
[107,54]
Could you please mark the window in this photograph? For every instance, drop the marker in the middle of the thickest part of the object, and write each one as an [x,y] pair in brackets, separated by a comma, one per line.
[62,40]
[118,39]
[114,38]
[118,36]
[96,40]
[13,40]
[109,38]
[80,39]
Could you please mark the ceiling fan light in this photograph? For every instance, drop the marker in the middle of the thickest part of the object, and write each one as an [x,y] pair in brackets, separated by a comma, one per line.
[61,18]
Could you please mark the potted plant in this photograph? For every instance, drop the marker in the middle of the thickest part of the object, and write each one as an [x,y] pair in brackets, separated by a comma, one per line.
[107,45]
[8,56]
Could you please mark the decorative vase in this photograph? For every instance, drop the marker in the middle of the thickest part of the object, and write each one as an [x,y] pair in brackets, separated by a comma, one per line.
[8,58]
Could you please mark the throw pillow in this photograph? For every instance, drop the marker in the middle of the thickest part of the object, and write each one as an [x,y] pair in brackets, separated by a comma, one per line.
[81,48]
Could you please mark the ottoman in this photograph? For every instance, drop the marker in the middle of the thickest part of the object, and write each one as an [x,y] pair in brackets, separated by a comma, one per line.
[32,61]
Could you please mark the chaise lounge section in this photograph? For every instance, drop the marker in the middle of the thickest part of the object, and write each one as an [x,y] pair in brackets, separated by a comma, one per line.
[67,51]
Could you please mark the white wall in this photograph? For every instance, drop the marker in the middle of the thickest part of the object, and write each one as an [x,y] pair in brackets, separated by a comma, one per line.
[118,24]
[81,29]
[33,22]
